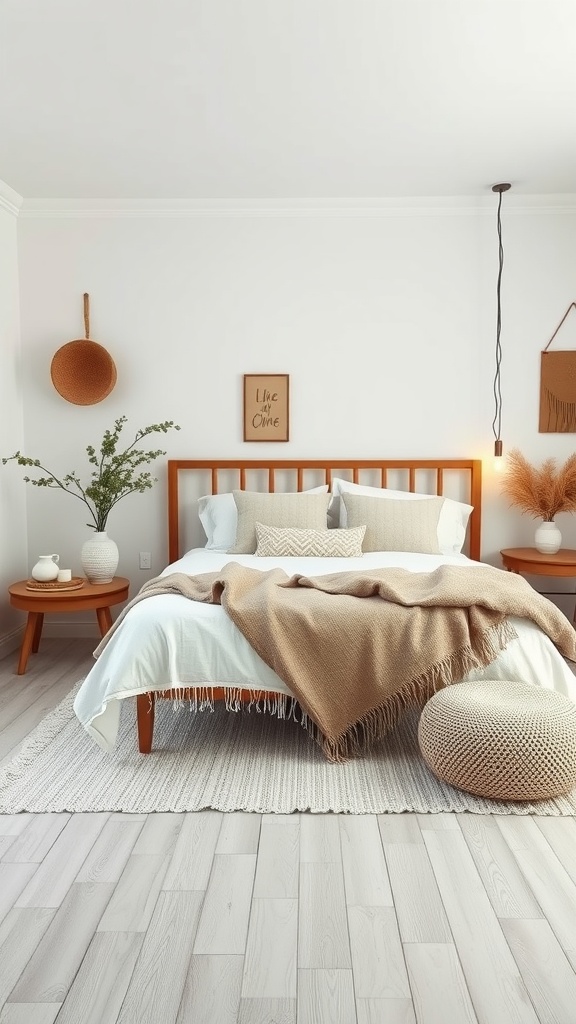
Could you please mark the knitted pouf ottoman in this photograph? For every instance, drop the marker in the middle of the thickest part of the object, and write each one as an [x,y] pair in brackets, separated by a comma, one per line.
[502,740]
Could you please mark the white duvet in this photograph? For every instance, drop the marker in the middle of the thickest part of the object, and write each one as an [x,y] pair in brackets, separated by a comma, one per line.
[167,642]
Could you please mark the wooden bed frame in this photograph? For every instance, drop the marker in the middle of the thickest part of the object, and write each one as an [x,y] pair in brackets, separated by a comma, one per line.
[274,472]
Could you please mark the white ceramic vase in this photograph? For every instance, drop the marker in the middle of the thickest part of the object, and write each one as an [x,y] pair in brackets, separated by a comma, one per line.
[99,558]
[46,568]
[547,538]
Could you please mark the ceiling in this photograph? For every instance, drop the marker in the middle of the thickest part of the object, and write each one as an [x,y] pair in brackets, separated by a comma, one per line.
[270,99]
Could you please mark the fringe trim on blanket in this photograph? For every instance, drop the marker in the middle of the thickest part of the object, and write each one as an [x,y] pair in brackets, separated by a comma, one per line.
[201,698]
[377,722]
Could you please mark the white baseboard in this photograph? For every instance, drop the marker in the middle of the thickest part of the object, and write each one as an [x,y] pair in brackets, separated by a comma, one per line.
[73,629]
[11,641]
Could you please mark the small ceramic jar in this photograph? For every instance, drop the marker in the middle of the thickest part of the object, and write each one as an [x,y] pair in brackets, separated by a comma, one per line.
[46,568]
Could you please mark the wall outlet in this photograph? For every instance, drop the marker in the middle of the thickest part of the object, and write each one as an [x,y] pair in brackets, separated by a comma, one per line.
[145,560]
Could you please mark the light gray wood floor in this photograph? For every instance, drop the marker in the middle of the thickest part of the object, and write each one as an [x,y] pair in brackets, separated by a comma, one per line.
[215,918]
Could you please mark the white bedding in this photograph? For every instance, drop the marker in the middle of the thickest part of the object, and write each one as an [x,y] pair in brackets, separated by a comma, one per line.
[168,642]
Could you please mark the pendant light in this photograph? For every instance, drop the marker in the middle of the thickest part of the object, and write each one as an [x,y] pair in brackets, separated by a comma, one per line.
[497,421]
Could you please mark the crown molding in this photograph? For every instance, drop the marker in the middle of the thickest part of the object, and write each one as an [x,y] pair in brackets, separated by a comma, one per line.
[10,200]
[377,207]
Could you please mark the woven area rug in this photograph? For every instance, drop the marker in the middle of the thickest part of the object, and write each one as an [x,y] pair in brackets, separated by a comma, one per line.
[229,762]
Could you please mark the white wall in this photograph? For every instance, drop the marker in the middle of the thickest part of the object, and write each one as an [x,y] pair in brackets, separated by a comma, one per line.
[384,319]
[540,283]
[13,533]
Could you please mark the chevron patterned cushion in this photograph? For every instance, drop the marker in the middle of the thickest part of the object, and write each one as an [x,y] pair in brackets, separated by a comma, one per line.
[274,540]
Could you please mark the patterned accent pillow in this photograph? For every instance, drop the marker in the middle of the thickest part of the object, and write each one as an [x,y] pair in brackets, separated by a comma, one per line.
[396,525]
[305,511]
[274,540]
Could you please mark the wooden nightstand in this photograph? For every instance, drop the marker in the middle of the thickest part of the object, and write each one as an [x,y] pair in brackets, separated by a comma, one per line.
[529,561]
[99,596]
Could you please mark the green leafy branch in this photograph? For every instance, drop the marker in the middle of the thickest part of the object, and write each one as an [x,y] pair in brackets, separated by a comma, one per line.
[115,474]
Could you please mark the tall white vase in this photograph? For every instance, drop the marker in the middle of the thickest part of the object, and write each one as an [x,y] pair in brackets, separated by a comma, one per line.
[547,538]
[99,558]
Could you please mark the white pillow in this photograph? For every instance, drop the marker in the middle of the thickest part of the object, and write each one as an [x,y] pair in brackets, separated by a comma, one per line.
[219,517]
[452,522]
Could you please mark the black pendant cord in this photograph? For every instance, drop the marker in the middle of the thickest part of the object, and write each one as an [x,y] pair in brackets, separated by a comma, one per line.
[497,421]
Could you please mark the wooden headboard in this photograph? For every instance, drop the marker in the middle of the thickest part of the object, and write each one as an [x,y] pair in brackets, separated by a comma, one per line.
[460,479]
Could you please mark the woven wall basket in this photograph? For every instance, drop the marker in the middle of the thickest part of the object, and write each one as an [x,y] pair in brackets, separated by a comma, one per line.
[82,371]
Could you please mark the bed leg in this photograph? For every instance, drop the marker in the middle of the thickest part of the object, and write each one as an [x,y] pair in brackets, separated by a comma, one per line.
[145,707]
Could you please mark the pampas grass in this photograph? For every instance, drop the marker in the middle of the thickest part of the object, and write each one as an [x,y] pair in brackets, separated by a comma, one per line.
[541,492]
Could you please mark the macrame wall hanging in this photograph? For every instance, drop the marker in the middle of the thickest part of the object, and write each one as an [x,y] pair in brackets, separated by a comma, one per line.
[558,388]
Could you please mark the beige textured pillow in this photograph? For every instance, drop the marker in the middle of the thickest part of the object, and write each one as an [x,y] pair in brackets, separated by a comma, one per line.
[395,525]
[305,511]
[276,540]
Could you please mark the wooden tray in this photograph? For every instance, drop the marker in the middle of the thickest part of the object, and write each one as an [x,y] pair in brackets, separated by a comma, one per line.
[53,585]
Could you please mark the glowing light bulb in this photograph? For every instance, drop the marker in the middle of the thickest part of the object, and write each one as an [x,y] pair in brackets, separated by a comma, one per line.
[499,460]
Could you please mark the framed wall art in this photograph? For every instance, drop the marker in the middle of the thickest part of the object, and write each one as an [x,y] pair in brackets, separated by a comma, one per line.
[266,406]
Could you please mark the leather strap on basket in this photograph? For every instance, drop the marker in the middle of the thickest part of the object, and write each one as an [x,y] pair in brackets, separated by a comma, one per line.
[87,315]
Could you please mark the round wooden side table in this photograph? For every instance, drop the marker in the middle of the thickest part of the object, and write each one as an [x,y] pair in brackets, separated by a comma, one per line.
[529,561]
[99,596]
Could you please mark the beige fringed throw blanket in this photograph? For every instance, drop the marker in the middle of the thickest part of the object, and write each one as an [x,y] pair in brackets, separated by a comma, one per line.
[355,648]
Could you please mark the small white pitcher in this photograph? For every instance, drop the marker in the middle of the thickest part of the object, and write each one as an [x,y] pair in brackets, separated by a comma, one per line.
[46,568]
